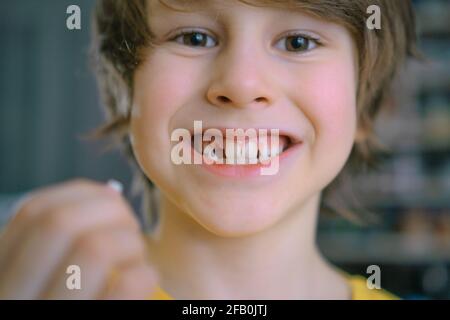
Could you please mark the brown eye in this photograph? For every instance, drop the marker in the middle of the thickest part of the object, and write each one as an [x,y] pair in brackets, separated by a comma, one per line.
[297,43]
[195,39]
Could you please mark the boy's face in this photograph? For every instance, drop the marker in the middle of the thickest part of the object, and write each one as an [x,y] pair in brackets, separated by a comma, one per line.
[245,67]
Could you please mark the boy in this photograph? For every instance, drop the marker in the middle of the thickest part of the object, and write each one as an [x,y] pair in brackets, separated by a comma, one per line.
[309,73]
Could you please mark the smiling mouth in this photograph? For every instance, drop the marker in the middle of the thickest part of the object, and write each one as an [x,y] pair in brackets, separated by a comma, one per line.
[243,150]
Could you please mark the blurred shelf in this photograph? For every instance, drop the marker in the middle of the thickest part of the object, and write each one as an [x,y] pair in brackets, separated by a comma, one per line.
[441,35]
[418,149]
[416,203]
[383,247]
[433,17]
[431,197]
[415,171]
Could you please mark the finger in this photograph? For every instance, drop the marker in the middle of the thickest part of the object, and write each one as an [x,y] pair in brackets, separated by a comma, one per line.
[96,254]
[44,245]
[135,282]
[37,203]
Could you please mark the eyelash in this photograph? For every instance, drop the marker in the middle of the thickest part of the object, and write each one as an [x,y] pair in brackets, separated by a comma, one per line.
[189,32]
[308,38]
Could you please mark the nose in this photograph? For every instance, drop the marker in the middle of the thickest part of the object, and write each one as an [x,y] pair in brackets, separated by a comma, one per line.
[240,80]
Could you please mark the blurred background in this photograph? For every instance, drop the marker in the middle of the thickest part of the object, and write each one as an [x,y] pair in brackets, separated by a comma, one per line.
[49,100]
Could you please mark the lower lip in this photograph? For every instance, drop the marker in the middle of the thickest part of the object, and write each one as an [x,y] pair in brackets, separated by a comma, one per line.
[247,170]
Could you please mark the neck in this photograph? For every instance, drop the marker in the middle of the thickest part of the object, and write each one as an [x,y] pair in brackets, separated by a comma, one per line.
[281,262]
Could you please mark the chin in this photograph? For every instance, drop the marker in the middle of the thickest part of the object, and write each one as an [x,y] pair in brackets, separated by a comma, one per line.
[234,218]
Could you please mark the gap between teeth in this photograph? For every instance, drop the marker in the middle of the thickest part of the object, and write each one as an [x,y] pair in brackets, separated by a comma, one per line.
[248,152]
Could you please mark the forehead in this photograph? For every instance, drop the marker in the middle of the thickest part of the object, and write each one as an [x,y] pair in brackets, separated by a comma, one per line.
[158,6]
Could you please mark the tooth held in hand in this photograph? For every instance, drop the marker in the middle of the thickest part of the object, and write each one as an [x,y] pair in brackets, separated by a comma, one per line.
[115,185]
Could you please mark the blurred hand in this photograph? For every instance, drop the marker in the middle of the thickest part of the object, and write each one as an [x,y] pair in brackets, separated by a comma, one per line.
[82,223]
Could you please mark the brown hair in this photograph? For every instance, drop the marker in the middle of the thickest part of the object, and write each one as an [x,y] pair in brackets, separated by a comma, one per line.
[121,30]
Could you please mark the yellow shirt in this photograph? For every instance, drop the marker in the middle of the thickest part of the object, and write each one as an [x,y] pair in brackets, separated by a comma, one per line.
[360,291]
[358,286]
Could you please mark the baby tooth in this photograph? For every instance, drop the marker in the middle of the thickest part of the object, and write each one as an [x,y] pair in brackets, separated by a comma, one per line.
[275,146]
[280,149]
[229,152]
[264,152]
[251,151]
[212,155]
[240,152]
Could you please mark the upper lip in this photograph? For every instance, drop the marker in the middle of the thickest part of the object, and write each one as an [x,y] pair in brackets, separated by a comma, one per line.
[294,137]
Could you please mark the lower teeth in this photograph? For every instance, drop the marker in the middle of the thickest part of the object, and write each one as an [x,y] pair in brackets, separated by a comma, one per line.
[236,160]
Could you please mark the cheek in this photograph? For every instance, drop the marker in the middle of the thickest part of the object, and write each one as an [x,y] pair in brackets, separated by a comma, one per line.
[331,104]
[160,86]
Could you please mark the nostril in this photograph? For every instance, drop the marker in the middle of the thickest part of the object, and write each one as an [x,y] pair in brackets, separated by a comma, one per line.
[223,99]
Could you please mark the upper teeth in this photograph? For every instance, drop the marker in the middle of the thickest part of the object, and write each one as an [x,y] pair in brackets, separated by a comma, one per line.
[267,152]
[212,155]
[248,152]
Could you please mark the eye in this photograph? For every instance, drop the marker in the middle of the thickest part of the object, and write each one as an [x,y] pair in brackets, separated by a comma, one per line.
[195,39]
[298,43]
